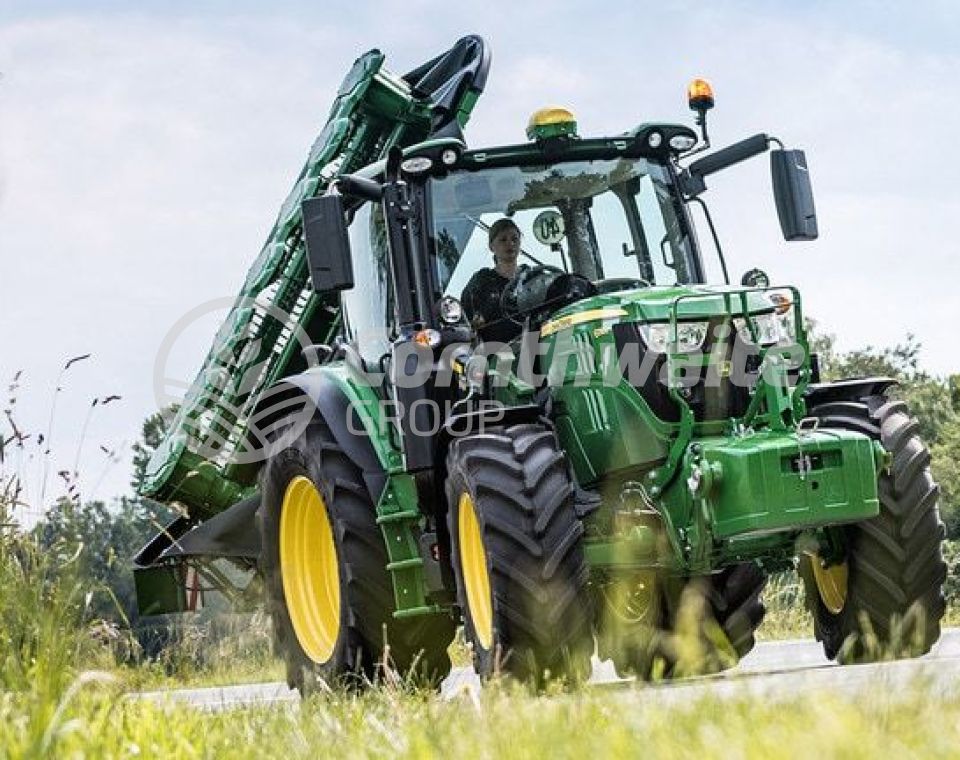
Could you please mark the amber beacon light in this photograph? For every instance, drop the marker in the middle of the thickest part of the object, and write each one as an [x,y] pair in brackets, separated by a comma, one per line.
[700,95]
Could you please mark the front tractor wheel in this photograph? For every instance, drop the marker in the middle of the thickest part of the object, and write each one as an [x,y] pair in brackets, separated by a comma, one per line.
[884,597]
[655,626]
[517,555]
[324,565]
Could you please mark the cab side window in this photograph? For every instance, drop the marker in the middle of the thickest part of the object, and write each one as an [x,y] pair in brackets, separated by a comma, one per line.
[368,307]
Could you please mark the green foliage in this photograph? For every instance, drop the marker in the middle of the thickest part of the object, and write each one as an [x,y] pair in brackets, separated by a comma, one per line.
[946,471]
[44,638]
[41,608]
[103,540]
[152,433]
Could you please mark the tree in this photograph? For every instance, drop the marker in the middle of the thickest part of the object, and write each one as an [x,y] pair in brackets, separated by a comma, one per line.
[152,433]
[105,539]
[946,471]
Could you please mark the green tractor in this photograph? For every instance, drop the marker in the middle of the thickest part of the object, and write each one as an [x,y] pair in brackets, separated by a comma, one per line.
[596,452]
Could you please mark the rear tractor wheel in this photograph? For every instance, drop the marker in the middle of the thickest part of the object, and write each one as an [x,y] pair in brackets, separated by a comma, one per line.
[884,598]
[517,555]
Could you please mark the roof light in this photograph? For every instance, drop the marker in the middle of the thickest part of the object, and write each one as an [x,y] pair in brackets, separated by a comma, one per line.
[416,165]
[700,95]
[682,142]
[552,121]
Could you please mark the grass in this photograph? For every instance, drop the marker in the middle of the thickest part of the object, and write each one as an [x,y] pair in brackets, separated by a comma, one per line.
[51,707]
[231,649]
[786,617]
[95,721]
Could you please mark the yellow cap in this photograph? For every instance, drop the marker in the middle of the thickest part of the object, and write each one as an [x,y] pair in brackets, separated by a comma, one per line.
[552,121]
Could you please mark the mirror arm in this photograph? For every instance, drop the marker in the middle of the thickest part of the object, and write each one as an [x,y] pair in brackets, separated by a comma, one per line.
[359,187]
[692,179]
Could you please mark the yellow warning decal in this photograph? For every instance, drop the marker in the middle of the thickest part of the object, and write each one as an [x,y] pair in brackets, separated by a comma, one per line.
[592,315]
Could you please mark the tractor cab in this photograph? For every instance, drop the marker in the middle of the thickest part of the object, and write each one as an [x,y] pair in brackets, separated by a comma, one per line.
[595,216]
[588,225]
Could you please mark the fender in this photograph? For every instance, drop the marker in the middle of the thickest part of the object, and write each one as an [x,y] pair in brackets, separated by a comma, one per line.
[354,411]
[846,390]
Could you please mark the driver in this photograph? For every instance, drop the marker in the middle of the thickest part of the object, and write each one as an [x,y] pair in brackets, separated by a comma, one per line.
[481,297]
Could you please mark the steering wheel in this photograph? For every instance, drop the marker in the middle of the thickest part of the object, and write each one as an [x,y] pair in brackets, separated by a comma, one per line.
[570,287]
[542,288]
[527,290]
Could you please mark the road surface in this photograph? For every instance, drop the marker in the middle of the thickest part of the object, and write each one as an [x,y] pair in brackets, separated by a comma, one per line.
[774,670]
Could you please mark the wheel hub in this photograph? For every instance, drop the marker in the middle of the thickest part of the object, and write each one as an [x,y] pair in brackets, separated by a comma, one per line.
[309,569]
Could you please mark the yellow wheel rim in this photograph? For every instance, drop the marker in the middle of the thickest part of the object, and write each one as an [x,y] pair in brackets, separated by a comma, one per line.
[309,569]
[473,565]
[831,583]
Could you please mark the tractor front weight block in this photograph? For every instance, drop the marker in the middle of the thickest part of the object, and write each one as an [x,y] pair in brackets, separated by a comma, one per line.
[742,489]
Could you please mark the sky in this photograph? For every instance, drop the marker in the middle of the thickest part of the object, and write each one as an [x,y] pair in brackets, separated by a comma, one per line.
[145,153]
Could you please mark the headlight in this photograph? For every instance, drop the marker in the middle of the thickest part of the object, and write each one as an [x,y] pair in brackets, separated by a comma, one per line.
[450,310]
[768,327]
[659,336]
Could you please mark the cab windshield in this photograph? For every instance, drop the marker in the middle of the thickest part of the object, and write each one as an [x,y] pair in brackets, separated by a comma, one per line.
[612,221]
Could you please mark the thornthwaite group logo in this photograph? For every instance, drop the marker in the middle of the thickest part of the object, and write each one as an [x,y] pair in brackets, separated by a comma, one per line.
[231,412]
[236,412]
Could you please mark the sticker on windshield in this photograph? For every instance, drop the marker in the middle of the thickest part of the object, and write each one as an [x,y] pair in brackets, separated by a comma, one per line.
[548,227]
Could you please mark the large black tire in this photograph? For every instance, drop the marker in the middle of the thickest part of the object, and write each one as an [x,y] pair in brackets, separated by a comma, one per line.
[894,599]
[521,493]
[694,626]
[370,641]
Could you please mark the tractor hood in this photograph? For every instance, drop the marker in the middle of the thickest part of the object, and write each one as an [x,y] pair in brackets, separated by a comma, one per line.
[660,304]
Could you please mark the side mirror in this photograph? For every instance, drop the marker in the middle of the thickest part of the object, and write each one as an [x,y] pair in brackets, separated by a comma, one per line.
[328,244]
[794,194]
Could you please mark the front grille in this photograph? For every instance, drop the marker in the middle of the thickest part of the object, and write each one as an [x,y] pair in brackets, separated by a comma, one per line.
[717,391]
